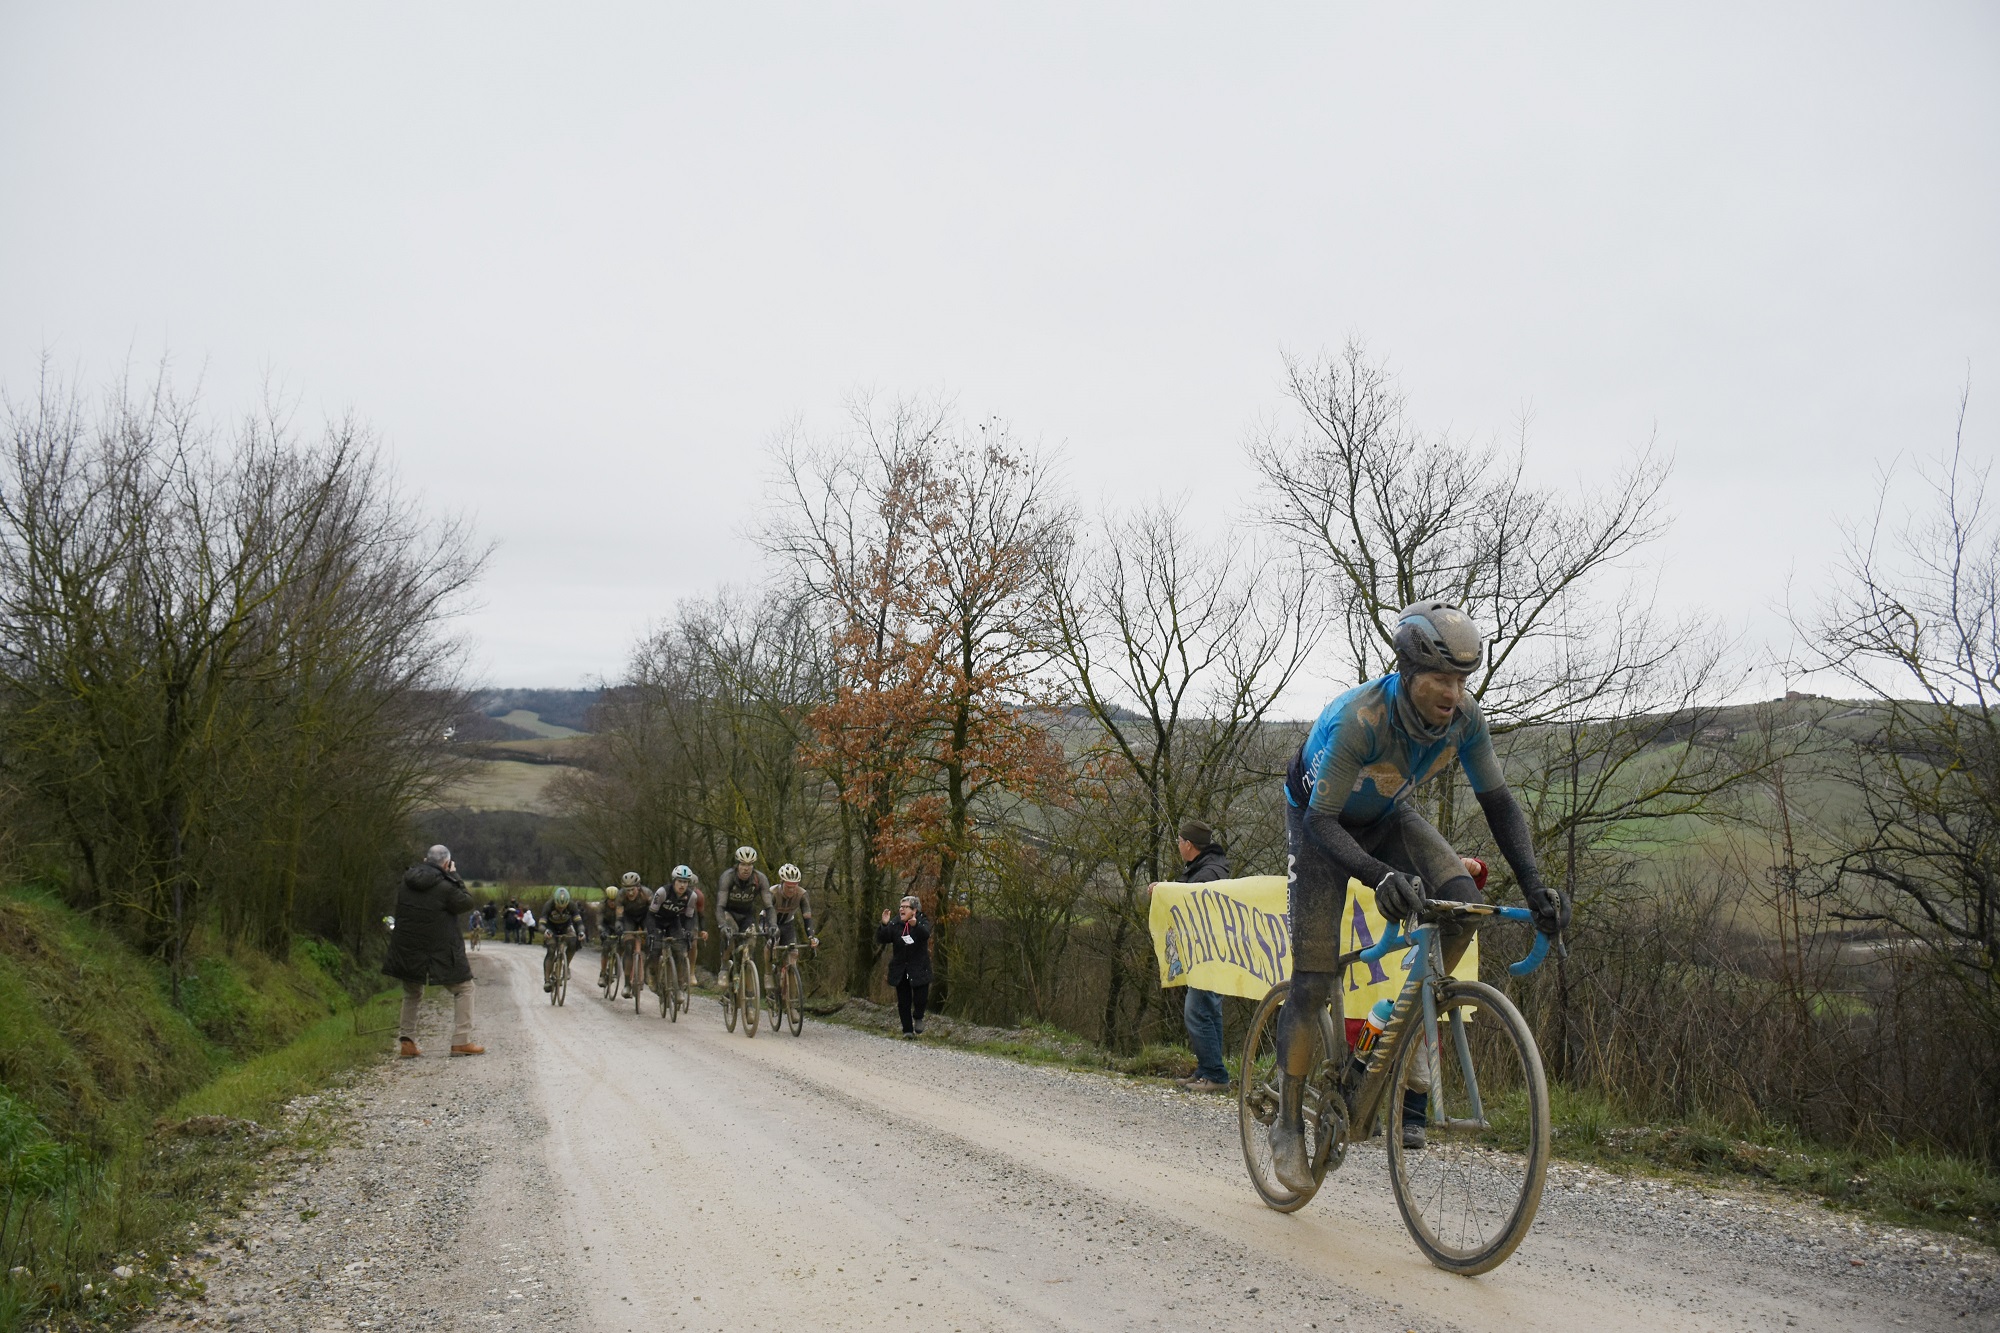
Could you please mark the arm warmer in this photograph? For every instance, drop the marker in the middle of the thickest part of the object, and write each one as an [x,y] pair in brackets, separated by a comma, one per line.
[1510,831]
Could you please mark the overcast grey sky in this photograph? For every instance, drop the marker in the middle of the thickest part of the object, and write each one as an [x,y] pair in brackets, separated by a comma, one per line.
[579,263]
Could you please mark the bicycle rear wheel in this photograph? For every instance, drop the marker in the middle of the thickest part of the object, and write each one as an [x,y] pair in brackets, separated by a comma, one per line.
[795,998]
[753,998]
[1470,1194]
[1257,1103]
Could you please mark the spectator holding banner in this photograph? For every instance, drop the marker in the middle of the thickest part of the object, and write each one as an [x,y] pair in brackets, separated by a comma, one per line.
[1205,860]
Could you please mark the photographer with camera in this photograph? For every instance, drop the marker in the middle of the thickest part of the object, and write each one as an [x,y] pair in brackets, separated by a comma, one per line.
[425,948]
[909,940]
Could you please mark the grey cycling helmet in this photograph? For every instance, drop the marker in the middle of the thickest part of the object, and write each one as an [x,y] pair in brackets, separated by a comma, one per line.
[1437,636]
[629,878]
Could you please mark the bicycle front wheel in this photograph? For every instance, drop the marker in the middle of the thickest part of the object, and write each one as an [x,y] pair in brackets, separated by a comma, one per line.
[795,998]
[753,998]
[670,987]
[562,977]
[729,993]
[635,977]
[1257,1098]
[1470,1193]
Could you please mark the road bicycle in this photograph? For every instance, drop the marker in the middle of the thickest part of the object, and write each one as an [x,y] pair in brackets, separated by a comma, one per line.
[632,963]
[672,971]
[786,995]
[741,995]
[556,969]
[607,966]
[475,932]
[1469,1195]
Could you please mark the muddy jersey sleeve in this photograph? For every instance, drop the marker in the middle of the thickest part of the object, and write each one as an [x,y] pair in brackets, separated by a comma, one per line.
[1476,754]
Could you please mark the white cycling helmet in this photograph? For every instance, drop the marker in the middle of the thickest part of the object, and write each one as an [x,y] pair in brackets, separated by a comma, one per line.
[746,856]
[684,873]
[788,873]
[629,878]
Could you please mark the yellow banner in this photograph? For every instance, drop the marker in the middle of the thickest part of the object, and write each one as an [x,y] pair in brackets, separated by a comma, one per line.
[1233,936]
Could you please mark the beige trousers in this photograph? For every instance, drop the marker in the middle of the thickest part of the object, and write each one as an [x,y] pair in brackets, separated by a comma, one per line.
[461,1011]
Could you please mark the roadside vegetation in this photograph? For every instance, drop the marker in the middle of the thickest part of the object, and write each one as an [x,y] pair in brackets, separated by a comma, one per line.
[126,1123]
[225,682]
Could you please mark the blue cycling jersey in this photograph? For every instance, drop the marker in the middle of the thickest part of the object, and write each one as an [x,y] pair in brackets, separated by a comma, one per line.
[1359,762]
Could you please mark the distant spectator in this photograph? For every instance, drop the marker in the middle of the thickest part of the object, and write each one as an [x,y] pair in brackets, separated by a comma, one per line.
[425,948]
[909,940]
[1205,859]
[513,920]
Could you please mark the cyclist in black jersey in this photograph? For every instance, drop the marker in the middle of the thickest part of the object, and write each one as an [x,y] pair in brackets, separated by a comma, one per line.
[742,897]
[562,920]
[676,920]
[634,906]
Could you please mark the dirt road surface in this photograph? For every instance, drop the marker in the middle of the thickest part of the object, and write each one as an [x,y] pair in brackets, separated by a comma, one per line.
[601,1170]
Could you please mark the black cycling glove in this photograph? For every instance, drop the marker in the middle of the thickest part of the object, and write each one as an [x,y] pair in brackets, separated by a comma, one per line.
[1399,896]
[1551,909]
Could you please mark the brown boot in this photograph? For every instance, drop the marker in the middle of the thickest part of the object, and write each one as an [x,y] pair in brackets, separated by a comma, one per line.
[408,1050]
[468,1049]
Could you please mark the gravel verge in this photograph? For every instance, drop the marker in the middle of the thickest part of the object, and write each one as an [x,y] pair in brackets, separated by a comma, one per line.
[415,1219]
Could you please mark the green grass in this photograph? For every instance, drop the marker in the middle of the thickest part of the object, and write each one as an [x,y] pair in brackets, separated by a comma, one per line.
[125,1121]
[258,1089]
[1899,1186]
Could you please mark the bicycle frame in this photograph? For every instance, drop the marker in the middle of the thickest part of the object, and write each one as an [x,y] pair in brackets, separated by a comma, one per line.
[1418,1002]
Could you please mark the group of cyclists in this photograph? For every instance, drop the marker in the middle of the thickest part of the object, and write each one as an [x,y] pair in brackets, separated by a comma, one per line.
[669,919]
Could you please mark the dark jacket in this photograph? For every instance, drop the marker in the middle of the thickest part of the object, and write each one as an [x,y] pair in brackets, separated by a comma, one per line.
[907,962]
[1213,863]
[425,947]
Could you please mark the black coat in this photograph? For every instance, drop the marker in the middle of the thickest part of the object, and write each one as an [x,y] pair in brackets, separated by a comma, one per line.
[425,947]
[1212,864]
[907,962]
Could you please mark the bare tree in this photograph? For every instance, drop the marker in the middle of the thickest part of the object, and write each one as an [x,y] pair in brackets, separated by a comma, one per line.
[1587,676]
[1916,628]
[1177,647]
[702,746]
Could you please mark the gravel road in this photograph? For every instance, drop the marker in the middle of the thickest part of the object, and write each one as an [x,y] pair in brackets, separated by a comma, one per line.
[614,1172]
